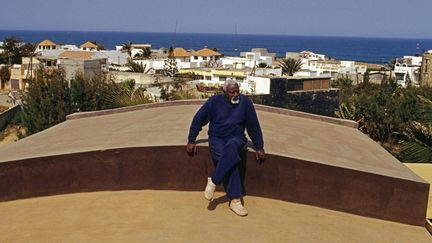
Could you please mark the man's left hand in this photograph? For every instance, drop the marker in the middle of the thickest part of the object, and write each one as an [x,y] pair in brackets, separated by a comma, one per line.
[260,156]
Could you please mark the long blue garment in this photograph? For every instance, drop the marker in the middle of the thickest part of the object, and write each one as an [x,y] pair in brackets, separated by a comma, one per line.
[227,140]
[227,120]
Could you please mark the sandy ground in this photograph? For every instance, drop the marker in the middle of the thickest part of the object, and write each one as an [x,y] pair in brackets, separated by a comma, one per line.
[9,135]
[173,216]
[4,98]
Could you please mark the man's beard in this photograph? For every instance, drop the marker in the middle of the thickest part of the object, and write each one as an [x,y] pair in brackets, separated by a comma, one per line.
[235,102]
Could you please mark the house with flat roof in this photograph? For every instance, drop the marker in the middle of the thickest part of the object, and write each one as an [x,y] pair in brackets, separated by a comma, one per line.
[407,70]
[86,62]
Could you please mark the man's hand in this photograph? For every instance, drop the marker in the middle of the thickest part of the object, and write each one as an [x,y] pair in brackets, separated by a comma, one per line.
[260,156]
[191,149]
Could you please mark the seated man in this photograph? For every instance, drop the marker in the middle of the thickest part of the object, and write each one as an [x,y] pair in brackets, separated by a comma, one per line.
[229,114]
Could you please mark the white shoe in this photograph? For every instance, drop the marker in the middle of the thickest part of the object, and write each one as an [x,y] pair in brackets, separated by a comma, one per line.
[210,189]
[237,207]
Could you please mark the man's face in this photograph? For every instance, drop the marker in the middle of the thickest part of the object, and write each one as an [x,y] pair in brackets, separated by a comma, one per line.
[232,93]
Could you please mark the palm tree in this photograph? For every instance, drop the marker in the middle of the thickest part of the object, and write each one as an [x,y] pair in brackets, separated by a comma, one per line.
[100,46]
[290,66]
[127,47]
[135,67]
[416,144]
[29,50]
[144,53]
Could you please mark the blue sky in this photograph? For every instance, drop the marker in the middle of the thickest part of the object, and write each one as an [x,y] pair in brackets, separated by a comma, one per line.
[367,18]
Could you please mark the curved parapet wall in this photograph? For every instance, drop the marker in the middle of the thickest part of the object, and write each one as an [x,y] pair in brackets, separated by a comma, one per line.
[310,161]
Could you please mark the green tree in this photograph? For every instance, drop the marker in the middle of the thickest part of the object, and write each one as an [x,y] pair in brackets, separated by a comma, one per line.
[92,94]
[4,75]
[47,101]
[262,65]
[290,66]
[135,67]
[11,50]
[99,45]
[127,96]
[416,140]
[170,65]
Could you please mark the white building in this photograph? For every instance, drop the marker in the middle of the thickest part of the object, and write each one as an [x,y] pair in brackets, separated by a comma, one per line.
[89,46]
[69,47]
[249,59]
[46,45]
[407,69]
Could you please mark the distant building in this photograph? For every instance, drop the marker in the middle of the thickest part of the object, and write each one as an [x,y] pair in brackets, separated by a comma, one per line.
[89,46]
[182,57]
[407,70]
[46,45]
[426,69]
[249,59]
[85,62]
[16,78]
[305,55]
[204,58]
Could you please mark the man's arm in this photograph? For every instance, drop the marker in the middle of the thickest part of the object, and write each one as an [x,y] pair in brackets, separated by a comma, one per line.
[253,129]
[201,118]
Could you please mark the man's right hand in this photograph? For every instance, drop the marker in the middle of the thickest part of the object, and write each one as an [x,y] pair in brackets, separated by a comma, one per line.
[191,149]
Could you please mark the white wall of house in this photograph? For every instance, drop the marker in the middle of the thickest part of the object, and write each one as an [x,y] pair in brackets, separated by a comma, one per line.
[200,61]
[259,85]
[268,71]
[183,62]
[156,64]
[69,47]
[236,62]
[46,48]
[141,79]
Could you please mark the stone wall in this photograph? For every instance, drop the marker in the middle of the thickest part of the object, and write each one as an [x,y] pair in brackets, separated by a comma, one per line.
[320,102]
[7,116]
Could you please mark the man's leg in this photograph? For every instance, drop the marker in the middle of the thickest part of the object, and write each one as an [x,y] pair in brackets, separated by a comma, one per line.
[227,157]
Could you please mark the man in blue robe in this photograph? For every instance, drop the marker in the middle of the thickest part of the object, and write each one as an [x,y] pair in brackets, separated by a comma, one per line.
[229,114]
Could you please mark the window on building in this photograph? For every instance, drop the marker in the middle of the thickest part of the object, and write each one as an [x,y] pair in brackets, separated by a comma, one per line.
[204,58]
[195,57]
[222,78]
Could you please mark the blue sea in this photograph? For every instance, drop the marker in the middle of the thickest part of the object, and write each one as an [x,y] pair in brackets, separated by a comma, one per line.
[371,50]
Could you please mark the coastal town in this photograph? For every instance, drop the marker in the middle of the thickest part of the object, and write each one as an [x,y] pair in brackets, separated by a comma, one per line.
[304,81]
[209,68]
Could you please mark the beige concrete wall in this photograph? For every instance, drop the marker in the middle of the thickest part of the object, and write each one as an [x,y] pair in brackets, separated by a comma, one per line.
[426,70]
[140,78]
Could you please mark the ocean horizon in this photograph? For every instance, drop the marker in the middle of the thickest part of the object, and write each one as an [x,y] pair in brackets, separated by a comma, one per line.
[379,50]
